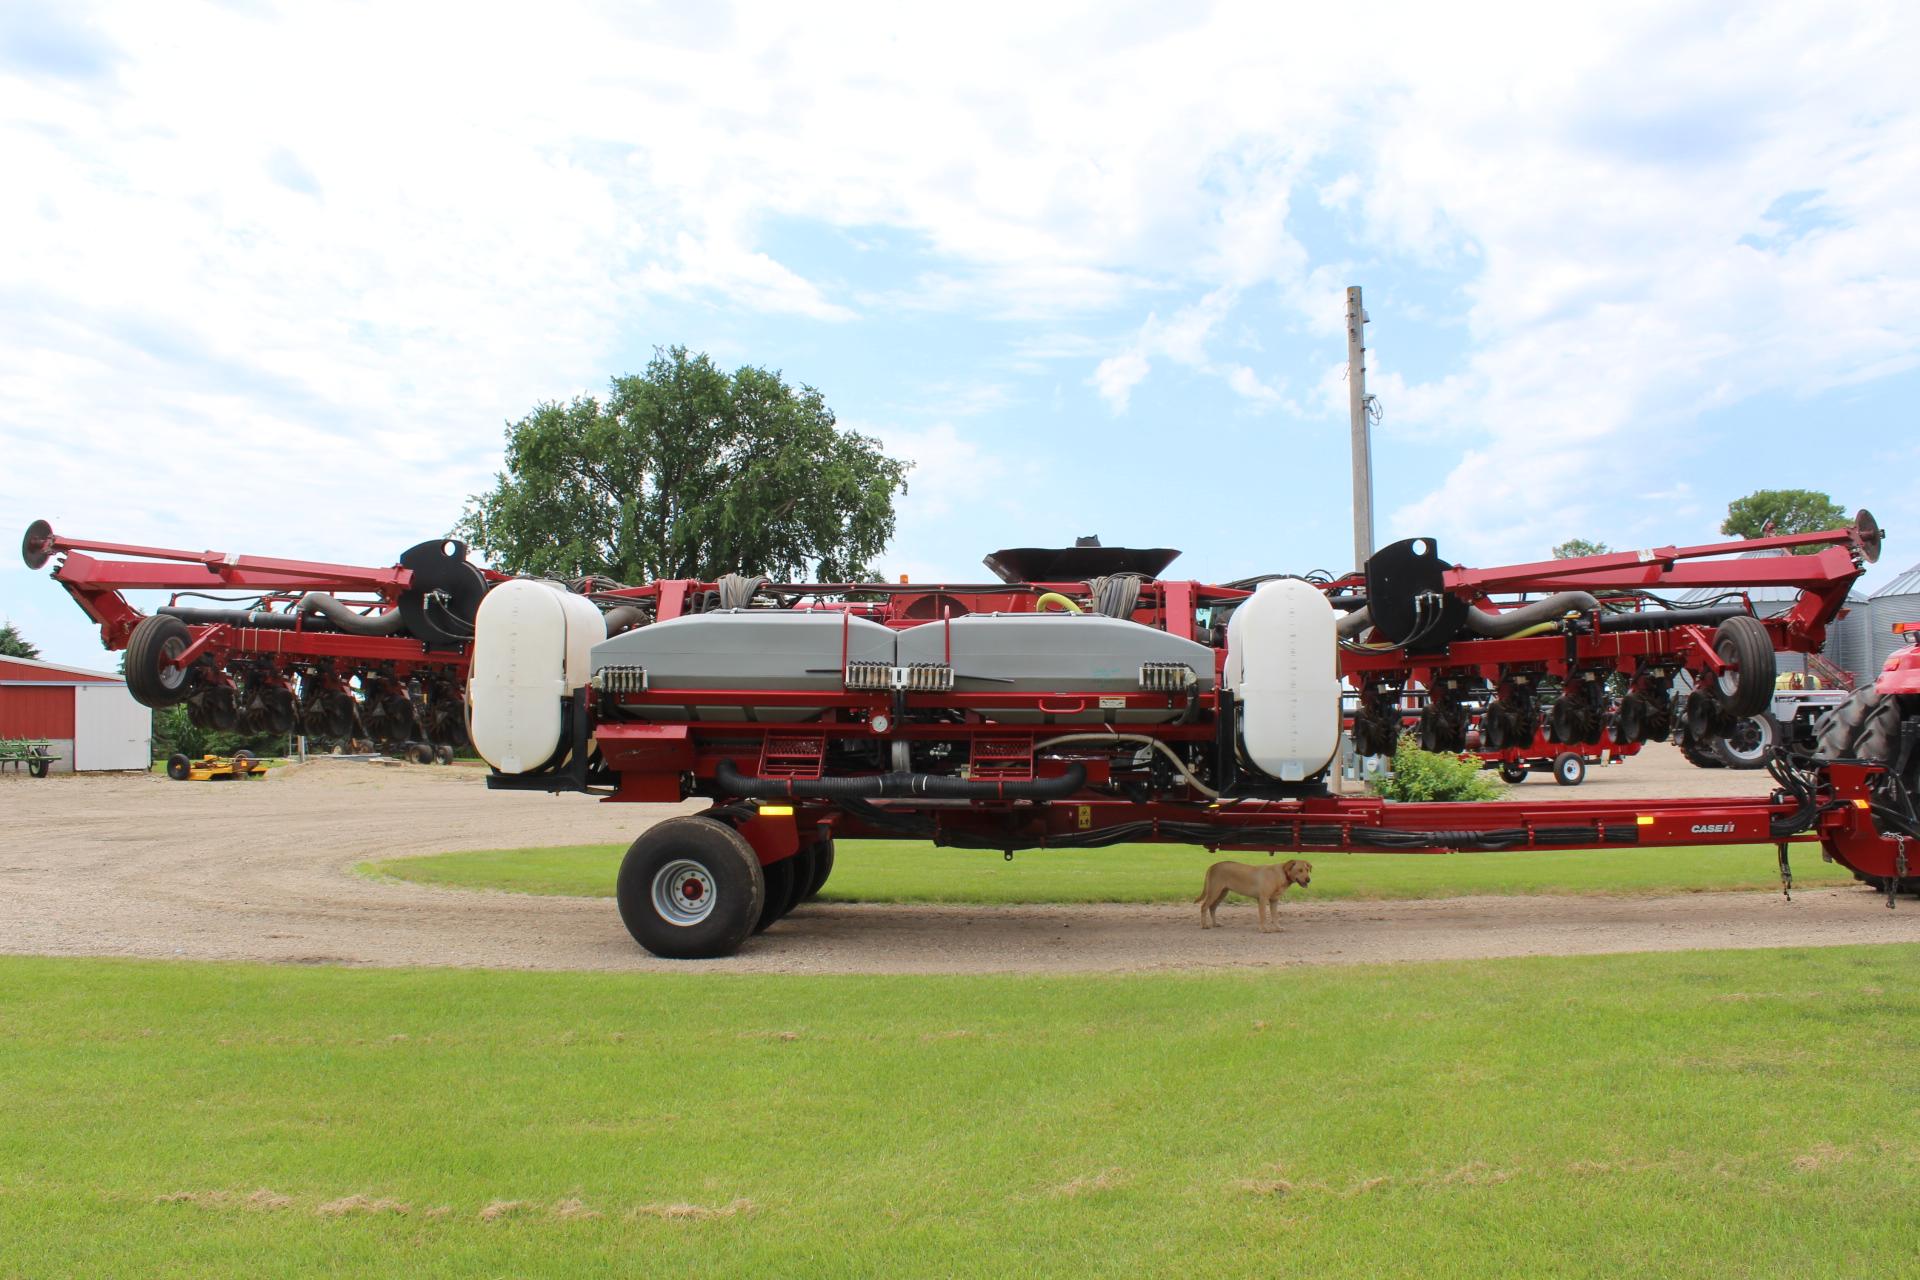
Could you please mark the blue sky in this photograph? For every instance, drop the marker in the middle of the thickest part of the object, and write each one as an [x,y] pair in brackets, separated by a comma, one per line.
[276,278]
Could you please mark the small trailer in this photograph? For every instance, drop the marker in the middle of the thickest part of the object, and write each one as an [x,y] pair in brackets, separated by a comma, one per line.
[1567,762]
[36,758]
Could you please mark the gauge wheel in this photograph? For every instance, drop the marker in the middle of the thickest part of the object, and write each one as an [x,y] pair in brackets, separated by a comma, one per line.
[1569,770]
[1514,773]
[151,647]
[1745,688]
[178,767]
[690,888]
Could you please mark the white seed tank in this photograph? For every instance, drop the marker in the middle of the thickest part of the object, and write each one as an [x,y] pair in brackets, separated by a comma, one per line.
[530,647]
[1283,669]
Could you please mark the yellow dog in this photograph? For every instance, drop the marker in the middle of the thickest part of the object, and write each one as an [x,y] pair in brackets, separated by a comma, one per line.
[1263,884]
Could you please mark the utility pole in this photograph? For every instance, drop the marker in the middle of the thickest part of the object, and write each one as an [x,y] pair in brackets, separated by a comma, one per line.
[1359,405]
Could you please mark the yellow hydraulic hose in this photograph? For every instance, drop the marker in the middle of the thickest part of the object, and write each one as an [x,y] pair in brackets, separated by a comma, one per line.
[1055,599]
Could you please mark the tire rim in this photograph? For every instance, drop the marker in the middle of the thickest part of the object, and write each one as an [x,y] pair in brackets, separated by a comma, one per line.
[683,892]
[171,678]
[1728,681]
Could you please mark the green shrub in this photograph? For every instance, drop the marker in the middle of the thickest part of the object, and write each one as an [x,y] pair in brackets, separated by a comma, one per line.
[1429,775]
[173,731]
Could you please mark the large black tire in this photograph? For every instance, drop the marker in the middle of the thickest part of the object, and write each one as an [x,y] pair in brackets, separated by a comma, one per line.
[822,868]
[1746,689]
[151,683]
[1569,770]
[690,889]
[1750,744]
[802,878]
[39,768]
[779,879]
[1515,774]
[178,766]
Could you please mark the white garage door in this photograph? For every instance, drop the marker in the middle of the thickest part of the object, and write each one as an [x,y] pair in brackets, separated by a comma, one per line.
[110,729]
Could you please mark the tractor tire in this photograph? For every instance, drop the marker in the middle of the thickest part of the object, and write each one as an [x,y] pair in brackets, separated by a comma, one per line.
[822,868]
[178,766]
[1514,774]
[779,888]
[802,878]
[690,888]
[150,683]
[1569,770]
[1746,688]
[1750,744]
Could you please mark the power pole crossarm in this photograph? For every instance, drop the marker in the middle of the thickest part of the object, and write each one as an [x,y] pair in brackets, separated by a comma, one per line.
[1357,407]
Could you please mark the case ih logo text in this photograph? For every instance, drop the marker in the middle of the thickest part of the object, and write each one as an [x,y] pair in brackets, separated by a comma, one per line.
[1711,828]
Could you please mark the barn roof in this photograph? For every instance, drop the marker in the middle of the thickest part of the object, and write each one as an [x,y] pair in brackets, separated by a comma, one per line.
[34,671]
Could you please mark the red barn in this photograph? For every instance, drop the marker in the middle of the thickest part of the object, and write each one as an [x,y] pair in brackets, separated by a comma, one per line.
[88,716]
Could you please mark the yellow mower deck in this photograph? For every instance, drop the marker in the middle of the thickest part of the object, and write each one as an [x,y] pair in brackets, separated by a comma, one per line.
[214,768]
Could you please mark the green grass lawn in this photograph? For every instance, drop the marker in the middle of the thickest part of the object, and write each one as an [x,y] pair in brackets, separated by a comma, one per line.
[1680,1115]
[909,871]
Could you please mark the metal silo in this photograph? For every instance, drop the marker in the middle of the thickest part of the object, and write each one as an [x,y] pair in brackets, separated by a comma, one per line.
[1898,601]
[1849,640]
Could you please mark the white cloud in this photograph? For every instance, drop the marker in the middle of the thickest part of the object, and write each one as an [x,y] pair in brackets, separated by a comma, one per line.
[1116,377]
[1245,382]
[1183,338]
[950,470]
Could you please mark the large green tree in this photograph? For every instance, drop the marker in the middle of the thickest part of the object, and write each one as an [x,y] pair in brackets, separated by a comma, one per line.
[15,645]
[686,471]
[1787,510]
[1574,548]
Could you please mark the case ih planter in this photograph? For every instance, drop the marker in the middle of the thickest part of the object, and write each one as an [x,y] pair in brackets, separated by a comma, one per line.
[1083,700]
